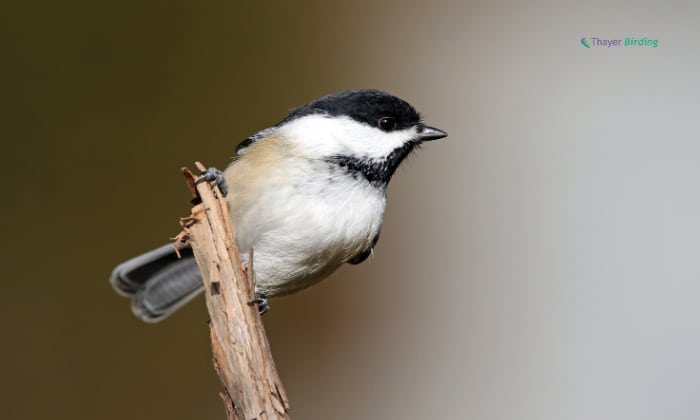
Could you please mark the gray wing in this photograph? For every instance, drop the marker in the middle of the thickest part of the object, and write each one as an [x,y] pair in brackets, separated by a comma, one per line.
[241,148]
[158,282]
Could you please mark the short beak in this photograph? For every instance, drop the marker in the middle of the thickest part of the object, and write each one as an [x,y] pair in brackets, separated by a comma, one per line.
[431,133]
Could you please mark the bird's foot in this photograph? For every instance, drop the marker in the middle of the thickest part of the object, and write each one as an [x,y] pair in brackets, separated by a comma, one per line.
[261,300]
[217,177]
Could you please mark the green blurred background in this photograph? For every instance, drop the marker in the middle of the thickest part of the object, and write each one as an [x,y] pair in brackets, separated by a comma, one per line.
[541,263]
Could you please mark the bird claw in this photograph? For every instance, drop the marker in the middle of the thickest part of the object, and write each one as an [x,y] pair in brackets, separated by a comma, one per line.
[261,300]
[217,177]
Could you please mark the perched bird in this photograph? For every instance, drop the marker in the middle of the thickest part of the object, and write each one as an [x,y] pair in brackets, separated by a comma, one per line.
[307,195]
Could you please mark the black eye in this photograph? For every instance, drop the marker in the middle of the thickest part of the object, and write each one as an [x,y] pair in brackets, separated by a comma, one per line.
[387,123]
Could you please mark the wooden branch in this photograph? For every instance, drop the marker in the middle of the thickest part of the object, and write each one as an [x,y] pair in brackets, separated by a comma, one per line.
[242,357]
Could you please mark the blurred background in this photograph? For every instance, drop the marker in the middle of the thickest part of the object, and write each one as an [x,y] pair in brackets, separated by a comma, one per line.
[542,262]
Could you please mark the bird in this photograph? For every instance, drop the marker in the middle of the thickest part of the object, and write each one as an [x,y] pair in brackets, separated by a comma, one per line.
[307,195]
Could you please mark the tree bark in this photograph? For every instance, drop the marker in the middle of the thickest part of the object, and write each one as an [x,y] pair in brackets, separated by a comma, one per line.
[242,357]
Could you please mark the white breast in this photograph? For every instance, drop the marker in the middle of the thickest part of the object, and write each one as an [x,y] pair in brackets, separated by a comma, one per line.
[303,218]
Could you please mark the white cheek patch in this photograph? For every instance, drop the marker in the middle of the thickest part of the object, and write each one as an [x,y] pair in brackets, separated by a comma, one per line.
[323,136]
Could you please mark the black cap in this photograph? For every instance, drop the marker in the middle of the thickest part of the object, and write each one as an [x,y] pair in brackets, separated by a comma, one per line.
[367,106]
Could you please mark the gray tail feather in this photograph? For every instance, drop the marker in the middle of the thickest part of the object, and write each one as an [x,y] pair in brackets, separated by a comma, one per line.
[158,282]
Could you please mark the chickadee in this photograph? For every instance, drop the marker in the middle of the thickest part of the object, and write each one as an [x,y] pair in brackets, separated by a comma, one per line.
[307,195]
